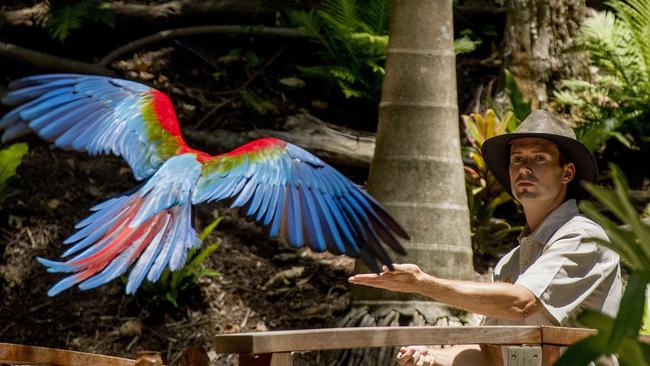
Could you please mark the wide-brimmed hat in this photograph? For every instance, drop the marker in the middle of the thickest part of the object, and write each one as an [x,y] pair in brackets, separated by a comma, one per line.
[541,124]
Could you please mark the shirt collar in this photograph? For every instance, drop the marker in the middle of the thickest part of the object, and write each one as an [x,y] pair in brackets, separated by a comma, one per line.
[552,222]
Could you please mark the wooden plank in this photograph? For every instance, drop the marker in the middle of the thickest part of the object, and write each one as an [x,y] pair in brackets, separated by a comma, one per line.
[564,336]
[342,338]
[24,355]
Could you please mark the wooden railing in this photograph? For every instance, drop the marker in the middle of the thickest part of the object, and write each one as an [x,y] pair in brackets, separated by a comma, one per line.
[275,348]
[526,345]
[19,354]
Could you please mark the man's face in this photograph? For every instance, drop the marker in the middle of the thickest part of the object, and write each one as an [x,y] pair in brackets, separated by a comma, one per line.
[535,170]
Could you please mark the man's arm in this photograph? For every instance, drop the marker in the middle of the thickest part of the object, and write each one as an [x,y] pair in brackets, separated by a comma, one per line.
[459,355]
[495,299]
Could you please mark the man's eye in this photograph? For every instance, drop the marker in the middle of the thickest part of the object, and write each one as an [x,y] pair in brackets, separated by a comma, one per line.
[515,159]
[540,158]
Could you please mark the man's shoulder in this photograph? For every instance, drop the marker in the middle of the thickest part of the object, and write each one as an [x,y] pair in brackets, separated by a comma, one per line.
[580,225]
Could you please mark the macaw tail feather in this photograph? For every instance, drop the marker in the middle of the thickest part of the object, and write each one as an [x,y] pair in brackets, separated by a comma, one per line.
[120,233]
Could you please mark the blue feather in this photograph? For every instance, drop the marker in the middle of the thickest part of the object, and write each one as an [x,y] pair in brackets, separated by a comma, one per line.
[278,212]
[294,220]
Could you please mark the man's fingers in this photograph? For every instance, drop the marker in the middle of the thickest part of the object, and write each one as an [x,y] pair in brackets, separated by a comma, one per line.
[405,355]
[363,277]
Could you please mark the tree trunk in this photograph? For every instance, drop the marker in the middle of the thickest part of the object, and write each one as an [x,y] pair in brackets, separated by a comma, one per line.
[417,172]
[538,42]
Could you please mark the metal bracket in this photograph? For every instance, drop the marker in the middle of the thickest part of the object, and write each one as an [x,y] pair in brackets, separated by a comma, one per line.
[523,356]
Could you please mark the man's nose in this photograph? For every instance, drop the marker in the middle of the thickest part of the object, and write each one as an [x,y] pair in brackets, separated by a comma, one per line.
[525,168]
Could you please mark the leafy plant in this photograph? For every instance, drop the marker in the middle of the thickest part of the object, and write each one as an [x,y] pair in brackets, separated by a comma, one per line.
[354,39]
[615,103]
[484,193]
[171,284]
[632,243]
[10,159]
[64,16]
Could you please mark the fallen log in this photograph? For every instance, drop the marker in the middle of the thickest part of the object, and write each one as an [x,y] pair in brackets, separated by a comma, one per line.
[49,62]
[158,15]
[337,145]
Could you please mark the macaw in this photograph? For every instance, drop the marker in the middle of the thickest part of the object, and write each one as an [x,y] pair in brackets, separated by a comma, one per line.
[291,192]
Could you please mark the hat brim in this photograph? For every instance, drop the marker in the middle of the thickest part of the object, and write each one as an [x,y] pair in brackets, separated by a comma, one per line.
[496,154]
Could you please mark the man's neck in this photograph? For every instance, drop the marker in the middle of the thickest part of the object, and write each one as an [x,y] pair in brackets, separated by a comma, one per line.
[537,211]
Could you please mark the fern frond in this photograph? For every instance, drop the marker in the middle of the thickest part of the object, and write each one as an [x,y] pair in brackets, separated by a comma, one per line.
[375,13]
[342,13]
[612,47]
[313,26]
[636,14]
[63,17]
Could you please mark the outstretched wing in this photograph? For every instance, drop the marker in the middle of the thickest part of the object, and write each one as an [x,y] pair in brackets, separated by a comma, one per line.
[301,198]
[96,114]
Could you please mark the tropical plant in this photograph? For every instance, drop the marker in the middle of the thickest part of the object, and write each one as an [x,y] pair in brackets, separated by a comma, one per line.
[353,35]
[171,284]
[490,235]
[614,104]
[10,158]
[632,242]
[64,16]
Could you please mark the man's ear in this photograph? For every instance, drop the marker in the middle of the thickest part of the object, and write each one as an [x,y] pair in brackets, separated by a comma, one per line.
[569,173]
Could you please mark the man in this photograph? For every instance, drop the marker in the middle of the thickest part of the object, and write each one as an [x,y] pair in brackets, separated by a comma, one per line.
[555,271]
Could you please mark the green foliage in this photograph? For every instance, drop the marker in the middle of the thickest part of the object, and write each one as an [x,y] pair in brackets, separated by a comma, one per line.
[10,159]
[632,243]
[484,193]
[65,16]
[171,284]
[615,103]
[353,35]
[520,106]
[465,44]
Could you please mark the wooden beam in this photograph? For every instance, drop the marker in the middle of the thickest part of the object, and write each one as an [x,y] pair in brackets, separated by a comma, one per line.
[563,336]
[21,354]
[341,338]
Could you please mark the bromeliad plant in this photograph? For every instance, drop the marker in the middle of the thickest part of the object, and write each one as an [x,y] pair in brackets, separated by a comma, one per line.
[632,242]
[490,235]
[615,103]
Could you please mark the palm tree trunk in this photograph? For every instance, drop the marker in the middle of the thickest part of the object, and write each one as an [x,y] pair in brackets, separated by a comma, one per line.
[417,171]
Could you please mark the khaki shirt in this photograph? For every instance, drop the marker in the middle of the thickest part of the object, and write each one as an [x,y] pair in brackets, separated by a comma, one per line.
[565,270]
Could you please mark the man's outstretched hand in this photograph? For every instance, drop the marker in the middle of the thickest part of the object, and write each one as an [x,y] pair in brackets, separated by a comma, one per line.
[404,278]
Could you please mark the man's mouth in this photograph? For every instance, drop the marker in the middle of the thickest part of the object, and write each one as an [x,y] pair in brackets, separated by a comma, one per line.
[525,183]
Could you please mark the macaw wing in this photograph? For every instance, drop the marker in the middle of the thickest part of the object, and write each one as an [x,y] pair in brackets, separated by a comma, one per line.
[301,198]
[96,114]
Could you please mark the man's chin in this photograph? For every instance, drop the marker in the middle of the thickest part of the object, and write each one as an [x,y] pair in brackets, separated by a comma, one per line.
[526,195]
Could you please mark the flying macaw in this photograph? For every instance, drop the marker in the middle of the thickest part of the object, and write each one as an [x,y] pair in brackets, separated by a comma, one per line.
[293,193]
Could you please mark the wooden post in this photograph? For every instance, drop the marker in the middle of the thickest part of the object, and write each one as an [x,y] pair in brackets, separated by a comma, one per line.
[550,354]
[195,356]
